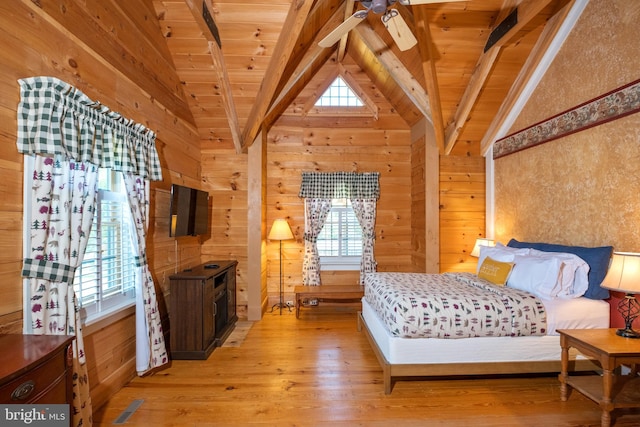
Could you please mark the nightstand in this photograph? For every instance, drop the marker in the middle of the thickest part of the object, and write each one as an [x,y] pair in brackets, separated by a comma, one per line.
[611,390]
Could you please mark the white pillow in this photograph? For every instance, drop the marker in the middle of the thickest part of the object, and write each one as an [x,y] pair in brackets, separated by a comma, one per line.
[575,273]
[538,275]
[499,253]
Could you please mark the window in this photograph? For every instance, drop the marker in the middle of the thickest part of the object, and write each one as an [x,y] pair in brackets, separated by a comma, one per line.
[339,95]
[105,281]
[340,241]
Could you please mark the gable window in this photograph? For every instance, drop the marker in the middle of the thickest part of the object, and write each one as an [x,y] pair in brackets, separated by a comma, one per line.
[340,241]
[105,280]
[339,94]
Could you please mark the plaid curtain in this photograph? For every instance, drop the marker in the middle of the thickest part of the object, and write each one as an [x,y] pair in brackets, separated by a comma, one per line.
[70,136]
[338,185]
[318,189]
[56,118]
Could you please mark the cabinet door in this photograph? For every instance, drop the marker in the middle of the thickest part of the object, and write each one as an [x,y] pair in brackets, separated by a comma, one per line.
[208,313]
[231,294]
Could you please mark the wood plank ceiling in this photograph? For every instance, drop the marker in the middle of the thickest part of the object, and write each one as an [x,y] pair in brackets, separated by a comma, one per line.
[269,56]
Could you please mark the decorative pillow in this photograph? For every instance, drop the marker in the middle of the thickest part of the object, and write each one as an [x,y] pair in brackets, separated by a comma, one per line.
[537,275]
[499,253]
[598,259]
[496,272]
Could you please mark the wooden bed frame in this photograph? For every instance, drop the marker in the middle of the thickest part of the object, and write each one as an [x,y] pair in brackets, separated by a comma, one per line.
[391,371]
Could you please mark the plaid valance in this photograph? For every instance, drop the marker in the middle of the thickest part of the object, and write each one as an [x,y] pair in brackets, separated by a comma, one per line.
[337,185]
[56,118]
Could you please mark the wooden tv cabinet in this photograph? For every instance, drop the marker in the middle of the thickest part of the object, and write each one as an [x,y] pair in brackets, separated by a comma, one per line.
[202,310]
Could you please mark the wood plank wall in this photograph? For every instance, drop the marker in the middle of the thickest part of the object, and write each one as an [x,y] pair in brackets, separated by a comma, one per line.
[97,46]
[292,150]
[224,176]
[462,210]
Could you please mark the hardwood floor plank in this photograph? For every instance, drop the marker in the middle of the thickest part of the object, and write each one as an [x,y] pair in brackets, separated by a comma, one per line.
[319,371]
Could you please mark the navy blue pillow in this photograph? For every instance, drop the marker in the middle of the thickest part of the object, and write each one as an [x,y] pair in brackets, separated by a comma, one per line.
[597,258]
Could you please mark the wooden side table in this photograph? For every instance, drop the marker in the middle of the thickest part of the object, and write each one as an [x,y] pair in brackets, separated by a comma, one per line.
[611,390]
[328,293]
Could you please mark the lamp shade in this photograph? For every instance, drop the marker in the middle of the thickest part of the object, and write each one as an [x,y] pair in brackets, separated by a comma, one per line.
[624,273]
[482,241]
[280,230]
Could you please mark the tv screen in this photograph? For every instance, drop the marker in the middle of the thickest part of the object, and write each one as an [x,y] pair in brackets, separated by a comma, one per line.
[189,211]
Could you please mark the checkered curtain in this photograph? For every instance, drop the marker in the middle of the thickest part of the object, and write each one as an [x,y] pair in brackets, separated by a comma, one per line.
[338,185]
[318,189]
[69,136]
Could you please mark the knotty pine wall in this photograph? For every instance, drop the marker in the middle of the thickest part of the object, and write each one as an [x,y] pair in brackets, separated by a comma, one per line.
[292,150]
[224,176]
[98,46]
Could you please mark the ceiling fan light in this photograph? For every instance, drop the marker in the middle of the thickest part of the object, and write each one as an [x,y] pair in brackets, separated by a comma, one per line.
[379,6]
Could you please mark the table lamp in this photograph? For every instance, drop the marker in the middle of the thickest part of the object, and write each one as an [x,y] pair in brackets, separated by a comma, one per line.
[624,276]
[280,230]
[482,241]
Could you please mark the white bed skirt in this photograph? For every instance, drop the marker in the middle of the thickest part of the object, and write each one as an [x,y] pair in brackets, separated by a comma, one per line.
[474,350]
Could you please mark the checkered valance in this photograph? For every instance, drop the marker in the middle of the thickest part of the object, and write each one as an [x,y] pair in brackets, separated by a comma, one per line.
[337,185]
[56,118]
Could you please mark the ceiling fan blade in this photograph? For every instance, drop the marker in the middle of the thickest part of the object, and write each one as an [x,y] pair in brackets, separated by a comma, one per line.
[399,30]
[342,29]
[415,2]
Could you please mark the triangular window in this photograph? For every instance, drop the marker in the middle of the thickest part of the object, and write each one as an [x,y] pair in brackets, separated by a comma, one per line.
[339,94]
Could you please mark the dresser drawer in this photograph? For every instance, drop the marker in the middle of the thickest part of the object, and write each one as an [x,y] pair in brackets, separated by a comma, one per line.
[37,371]
[31,386]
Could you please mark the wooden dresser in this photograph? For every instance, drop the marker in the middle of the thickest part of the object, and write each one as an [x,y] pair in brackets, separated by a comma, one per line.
[35,369]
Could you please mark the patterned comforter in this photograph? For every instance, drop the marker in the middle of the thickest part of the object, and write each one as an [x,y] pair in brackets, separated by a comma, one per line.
[452,305]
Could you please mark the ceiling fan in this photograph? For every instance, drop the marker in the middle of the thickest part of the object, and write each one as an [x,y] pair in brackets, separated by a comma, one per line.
[391,19]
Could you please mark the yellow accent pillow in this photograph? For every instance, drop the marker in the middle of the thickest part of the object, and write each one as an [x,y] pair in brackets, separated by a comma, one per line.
[496,272]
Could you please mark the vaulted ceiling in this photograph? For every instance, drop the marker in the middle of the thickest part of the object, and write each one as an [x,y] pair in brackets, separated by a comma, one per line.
[269,60]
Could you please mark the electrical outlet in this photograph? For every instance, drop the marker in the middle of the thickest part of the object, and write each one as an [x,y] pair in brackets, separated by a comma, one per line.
[289,303]
[313,302]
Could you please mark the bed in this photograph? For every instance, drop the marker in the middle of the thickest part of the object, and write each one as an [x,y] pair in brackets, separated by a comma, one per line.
[402,313]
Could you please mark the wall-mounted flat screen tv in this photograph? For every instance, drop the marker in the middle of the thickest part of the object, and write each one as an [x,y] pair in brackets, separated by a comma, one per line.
[189,211]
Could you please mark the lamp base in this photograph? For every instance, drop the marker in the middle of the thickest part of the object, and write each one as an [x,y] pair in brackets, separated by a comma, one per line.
[280,306]
[628,333]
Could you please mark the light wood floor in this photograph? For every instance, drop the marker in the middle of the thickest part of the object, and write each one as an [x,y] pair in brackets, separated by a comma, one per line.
[319,371]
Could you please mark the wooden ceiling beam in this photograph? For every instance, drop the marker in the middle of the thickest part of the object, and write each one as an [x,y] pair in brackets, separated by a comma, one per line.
[342,45]
[302,77]
[425,45]
[396,69]
[197,9]
[527,10]
[293,25]
[314,59]
[324,14]
[530,67]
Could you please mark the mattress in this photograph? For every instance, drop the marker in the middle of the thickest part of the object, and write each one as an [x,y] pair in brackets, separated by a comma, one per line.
[452,306]
[561,315]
